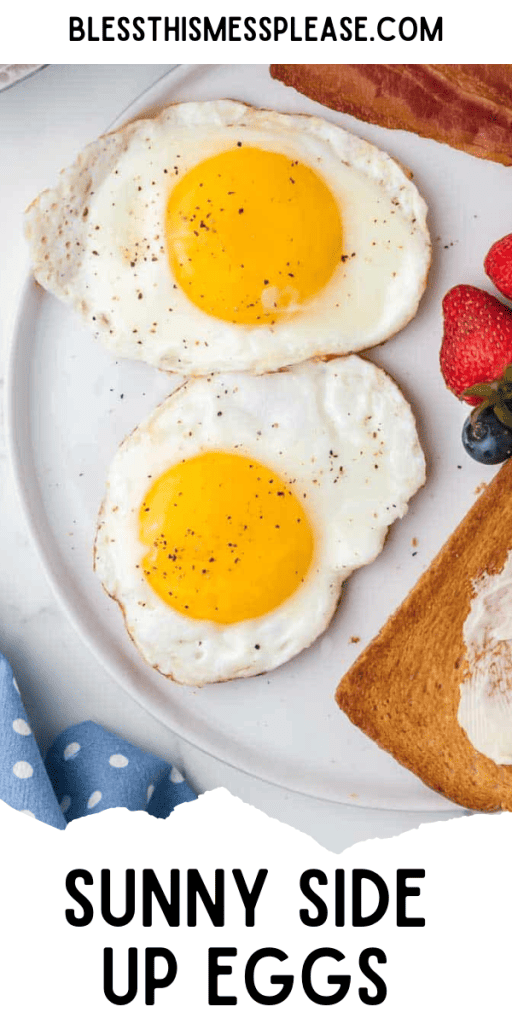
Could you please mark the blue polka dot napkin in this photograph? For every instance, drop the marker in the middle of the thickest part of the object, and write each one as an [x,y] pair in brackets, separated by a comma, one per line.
[86,770]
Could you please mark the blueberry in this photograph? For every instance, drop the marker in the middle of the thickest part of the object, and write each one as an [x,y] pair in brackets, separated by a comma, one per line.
[486,439]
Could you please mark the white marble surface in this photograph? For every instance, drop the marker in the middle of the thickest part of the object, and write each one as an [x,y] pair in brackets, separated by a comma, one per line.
[44,121]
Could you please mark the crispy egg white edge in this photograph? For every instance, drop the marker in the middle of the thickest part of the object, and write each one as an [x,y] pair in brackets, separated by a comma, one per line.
[59,235]
[205,652]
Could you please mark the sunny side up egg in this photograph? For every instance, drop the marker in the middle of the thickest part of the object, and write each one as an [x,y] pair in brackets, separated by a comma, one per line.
[236,510]
[218,237]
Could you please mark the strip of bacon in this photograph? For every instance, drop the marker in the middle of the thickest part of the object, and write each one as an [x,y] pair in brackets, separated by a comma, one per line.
[468,106]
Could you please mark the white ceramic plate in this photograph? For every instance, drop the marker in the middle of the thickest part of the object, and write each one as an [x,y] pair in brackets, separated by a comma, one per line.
[71,404]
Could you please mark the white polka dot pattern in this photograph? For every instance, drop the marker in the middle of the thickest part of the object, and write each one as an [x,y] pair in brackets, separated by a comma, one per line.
[71,750]
[24,782]
[21,727]
[86,770]
[118,761]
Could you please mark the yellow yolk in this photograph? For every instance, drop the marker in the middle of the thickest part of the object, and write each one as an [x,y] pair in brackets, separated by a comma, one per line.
[226,538]
[252,235]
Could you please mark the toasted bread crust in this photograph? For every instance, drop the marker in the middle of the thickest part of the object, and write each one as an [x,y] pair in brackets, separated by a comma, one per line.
[403,691]
[468,106]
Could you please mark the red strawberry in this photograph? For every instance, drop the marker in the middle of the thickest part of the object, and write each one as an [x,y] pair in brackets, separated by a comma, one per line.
[498,265]
[477,339]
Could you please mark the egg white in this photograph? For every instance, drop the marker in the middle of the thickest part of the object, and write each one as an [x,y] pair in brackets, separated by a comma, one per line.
[97,241]
[339,433]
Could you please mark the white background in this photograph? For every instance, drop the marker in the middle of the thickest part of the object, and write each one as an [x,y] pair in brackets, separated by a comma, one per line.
[458,964]
[455,968]
[470,33]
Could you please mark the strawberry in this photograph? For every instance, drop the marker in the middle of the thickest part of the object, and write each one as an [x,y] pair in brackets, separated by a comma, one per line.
[477,340]
[498,265]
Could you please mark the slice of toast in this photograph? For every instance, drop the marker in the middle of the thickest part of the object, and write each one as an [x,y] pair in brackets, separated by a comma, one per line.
[403,691]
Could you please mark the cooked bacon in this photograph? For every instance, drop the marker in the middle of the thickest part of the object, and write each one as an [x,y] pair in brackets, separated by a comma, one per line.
[468,106]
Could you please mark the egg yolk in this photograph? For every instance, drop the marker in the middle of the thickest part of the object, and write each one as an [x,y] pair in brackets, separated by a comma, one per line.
[252,235]
[226,538]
